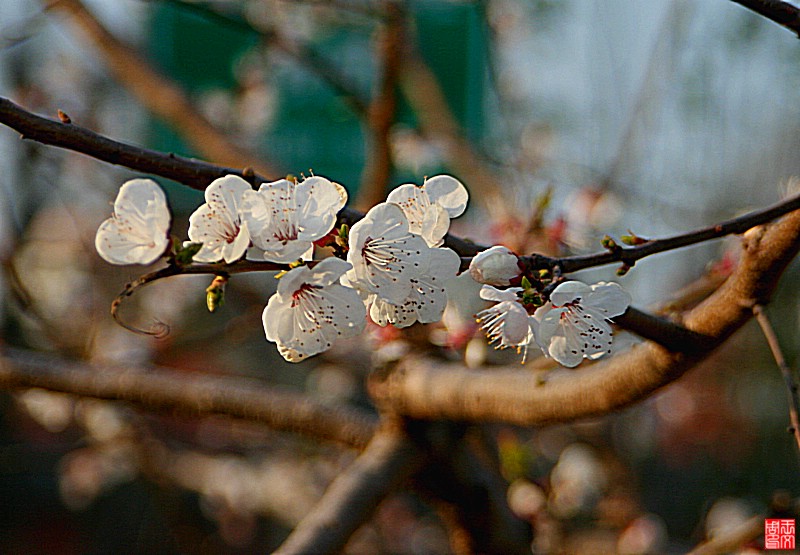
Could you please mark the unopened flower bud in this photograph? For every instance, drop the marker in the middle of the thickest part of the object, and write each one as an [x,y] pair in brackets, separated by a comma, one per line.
[494,266]
[215,293]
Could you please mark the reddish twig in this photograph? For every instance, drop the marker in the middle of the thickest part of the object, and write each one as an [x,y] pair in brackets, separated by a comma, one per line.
[786,372]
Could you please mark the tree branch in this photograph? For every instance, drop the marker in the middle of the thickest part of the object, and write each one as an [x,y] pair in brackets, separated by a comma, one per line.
[161,389]
[781,13]
[351,499]
[423,390]
[378,169]
[158,93]
[783,366]
[630,255]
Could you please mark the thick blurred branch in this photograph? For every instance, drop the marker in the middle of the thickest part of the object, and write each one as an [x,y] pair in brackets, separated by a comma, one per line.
[160,389]
[158,93]
[351,499]
[732,539]
[424,390]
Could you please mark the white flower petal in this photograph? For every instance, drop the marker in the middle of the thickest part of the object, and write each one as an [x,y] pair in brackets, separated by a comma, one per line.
[608,298]
[435,224]
[574,325]
[385,255]
[569,292]
[217,223]
[495,266]
[231,252]
[311,309]
[426,300]
[414,202]
[447,192]
[506,324]
[563,349]
[137,232]
[285,219]
[490,293]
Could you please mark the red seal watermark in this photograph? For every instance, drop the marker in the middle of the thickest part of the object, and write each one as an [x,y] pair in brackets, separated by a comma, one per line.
[779,533]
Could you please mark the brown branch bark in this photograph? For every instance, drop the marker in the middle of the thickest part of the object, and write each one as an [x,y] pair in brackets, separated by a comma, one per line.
[161,389]
[378,169]
[423,390]
[158,93]
[351,499]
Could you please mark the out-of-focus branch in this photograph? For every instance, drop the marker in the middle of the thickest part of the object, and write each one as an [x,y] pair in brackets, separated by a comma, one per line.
[300,53]
[381,116]
[437,121]
[733,539]
[351,499]
[158,93]
[786,372]
[781,13]
[424,390]
[160,389]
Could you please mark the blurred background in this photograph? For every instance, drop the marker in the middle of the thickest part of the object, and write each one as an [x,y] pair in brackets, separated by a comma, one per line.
[566,121]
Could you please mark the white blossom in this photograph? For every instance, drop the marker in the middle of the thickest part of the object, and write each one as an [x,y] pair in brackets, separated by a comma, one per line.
[218,225]
[426,301]
[311,309]
[385,255]
[430,207]
[138,230]
[494,266]
[574,323]
[285,218]
[506,323]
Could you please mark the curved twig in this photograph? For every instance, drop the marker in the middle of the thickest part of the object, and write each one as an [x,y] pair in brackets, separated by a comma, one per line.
[160,329]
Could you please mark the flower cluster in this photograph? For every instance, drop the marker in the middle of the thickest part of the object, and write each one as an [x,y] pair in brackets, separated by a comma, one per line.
[390,265]
[572,325]
[395,269]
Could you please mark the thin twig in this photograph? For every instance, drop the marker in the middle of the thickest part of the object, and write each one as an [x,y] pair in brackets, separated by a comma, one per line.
[786,372]
[630,255]
[349,502]
[160,329]
[168,390]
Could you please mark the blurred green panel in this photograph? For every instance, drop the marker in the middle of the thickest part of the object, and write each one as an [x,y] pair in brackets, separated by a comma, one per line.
[314,128]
